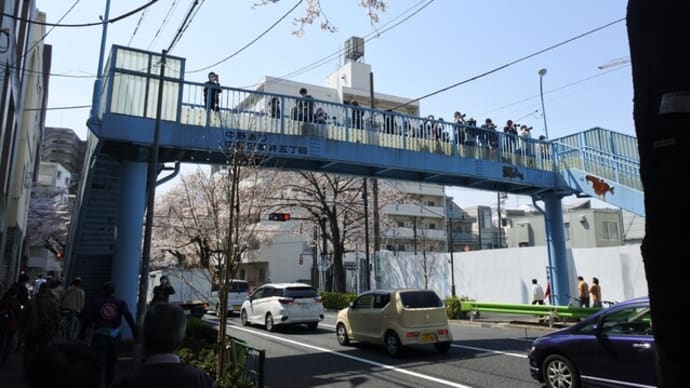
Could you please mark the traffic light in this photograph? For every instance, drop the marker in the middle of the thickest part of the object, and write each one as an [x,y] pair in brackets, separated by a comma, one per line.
[279,217]
[56,247]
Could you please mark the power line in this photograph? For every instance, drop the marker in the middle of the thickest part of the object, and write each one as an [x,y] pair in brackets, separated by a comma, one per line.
[330,57]
[51,28]
[509,63]
[136,28]
[163,24]
[60,107]
[251,42]
[113,20]
[193,10]
[550,91]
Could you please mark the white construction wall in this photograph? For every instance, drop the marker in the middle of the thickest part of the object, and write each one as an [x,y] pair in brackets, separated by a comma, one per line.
[504,275]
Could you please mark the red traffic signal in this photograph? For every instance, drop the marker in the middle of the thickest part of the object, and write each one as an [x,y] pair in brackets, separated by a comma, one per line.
[279,217]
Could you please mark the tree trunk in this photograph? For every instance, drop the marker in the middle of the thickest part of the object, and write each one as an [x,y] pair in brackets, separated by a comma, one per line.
[658,44]
[338,270]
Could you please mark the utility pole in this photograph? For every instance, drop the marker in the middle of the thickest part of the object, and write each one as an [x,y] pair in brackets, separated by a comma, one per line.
[375,187]
[150,199]
[315,263]
[324,250]
[500,229]
[414,233]
[452,262]
[365,199]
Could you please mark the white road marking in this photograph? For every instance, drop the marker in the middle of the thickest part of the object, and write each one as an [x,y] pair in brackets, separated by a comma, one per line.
[490,351]
[364,360]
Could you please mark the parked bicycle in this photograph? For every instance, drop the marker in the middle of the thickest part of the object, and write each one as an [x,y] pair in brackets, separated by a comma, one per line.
[69,324]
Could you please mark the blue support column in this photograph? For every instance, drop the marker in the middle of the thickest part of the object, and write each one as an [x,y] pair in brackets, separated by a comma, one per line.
[126,260]
[558,255]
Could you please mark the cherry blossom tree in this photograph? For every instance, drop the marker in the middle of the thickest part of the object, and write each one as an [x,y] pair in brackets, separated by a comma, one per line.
[334,203]
[49,216]
[313,11]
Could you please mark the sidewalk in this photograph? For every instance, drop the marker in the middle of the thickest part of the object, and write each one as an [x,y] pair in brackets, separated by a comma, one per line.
[12,373]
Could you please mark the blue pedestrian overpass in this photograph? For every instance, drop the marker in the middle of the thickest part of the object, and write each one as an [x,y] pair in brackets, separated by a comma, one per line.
[291,133]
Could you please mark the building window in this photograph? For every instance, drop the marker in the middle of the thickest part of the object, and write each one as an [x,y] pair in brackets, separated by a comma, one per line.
[609,230]
[431,226]
[59,174]
[401,224]
[431,203]
[401,247]
[566,227]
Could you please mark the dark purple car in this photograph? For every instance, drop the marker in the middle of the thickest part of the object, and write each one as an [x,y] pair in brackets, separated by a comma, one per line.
[612,348]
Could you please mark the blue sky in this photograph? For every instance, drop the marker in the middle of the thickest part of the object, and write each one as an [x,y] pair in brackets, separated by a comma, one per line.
[442,43]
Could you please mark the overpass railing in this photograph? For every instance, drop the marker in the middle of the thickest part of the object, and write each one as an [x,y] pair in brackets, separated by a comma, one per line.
[132,89]
[604,164]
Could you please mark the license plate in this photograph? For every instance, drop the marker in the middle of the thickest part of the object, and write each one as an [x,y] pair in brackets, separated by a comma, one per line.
[187,312]
[235,308]
[427,337]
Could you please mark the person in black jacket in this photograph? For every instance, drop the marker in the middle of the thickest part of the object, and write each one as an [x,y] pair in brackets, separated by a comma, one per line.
[162,292]
[212,92]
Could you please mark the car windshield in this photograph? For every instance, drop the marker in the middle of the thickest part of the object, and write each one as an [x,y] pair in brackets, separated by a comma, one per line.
[420,299]
[239,287]
[300,292]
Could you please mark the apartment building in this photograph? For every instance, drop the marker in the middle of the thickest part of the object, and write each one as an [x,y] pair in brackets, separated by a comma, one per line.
[63,146]
[24,83]
[420,223]
[584,227]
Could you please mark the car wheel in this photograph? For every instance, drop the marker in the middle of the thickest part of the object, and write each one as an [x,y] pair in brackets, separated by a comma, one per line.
[392,343]
[269,322]
[243,318]
[341,334]
[312,325]
[442,347]
[559,372]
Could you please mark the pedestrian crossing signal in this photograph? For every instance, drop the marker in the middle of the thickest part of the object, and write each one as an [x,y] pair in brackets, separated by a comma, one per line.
[279,217]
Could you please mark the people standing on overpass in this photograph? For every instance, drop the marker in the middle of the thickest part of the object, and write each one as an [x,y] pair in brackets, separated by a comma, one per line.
[305,106]
[274,107]
[212,92]
[595,292]
[537,292]
[582,292]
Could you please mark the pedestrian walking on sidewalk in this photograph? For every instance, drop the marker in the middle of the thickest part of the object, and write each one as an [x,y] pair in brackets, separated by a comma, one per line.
[582,292]
[40,324]
[10,312]
[163,331]
[104,316]
[595,293]
[537,293]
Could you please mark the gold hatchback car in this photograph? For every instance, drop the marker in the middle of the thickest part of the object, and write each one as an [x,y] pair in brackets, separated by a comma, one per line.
[395,318]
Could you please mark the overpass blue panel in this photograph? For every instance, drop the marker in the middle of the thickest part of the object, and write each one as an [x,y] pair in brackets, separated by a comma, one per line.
[433,162]
[606,190]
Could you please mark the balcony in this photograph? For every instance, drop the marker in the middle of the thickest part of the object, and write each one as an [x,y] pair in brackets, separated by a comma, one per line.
[414,211]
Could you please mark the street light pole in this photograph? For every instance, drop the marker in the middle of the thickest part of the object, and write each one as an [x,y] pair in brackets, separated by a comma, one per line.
[452,262]
[542,72]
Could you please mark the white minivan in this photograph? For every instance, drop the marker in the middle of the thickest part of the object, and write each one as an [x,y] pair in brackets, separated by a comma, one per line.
[275,304]
[237,294]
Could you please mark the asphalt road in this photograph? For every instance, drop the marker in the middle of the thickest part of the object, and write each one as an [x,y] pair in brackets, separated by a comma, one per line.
[490,352]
